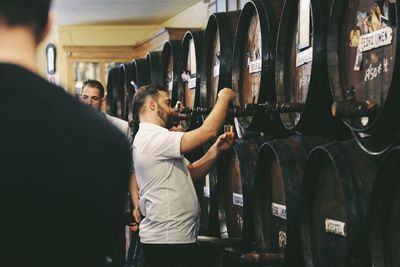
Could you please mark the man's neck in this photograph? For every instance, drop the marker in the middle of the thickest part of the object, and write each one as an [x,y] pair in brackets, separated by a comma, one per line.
[149,118]
[17,46]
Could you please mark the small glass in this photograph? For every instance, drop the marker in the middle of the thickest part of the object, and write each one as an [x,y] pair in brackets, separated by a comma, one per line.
[228,130]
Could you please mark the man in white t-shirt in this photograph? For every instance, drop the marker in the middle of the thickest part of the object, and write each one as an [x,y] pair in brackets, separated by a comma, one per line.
[92,94]
[167,196]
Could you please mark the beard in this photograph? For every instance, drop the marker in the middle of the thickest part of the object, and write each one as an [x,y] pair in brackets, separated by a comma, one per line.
[165,117]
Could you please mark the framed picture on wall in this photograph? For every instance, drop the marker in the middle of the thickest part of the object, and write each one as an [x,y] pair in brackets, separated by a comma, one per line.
[221,5]
[51,54]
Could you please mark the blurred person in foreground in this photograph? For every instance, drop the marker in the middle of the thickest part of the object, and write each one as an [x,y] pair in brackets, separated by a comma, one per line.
[92,94]
[65,170]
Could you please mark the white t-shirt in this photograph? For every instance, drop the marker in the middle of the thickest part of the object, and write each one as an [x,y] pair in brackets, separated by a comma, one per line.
[122,125]
[168,199]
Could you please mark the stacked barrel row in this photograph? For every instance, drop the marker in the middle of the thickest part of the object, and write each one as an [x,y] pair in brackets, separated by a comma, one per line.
[308,74]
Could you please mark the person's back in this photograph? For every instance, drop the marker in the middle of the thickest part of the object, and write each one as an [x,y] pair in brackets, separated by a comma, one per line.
[55,186]
[64,170]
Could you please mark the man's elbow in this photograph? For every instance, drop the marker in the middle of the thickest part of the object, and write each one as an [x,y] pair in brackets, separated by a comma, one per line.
[192,171]
[210,133]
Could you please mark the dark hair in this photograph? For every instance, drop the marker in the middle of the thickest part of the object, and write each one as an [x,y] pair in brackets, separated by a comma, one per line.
[95,84]
[141,95]
[32,13]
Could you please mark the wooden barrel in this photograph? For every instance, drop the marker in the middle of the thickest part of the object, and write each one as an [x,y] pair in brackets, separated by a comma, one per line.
[189,91]
[170,68]
[301,70]
[235,180]
[153,67]
[112,84]
[384,214]
[336,190]
[253,75]
[277,185]
[362,63]
[139,72]
[216,70]
[125,79]
[119,93]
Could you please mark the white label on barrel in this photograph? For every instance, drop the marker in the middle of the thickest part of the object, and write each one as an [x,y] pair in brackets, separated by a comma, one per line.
[304,57]
[192,83]
[206,188]
[357,64]
[335,227]
[364,121]
[216,70]
[278,210]
[375,39]
[206,192]
[255,66]
[238,199]
[304,23]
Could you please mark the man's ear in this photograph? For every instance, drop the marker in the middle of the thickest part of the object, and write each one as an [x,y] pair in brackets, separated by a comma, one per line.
[152,104]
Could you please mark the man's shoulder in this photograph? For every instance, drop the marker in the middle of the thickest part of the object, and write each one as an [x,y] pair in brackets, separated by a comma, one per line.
[117,121]
[156,137]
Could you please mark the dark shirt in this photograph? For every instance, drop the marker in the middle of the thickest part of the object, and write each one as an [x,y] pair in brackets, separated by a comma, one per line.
[64,174]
